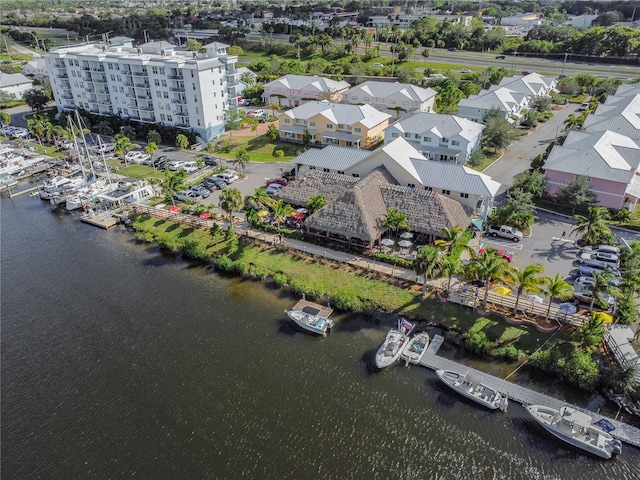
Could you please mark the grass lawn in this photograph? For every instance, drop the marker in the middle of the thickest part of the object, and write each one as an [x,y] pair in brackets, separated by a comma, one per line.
[260,148]
[489,158]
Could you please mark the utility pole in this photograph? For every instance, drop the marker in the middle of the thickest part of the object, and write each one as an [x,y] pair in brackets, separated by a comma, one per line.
[513,64]
[563,64]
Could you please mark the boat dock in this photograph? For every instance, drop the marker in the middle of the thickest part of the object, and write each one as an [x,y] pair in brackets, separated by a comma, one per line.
[623,432]
[313,308]
[104,220]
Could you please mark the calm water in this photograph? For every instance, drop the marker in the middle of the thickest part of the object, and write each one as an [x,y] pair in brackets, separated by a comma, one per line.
[119,362]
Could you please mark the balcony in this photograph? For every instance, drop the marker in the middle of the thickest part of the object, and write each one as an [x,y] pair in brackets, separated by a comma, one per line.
[140,74]
[142,85]
[128,84]
[89,89]
[181,113]
[67,97]
[177,89]
[100,80]
[86,69]
[99,69]
[59,65]
[183,125]
[102,92]
[147,108]
[64,75]
[176,77]
[179,101]
[126,72]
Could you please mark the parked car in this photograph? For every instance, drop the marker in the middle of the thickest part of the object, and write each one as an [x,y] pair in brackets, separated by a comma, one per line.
[377,64]
[500,57]
[210,182]
[141,159]
[175,165]
[590,281]
[465,70]
[130,155]
[274,188]
[190,167]
[103,148]
[257,113]
[526,72]
[599,264]
[508,256]
[160,162]
[228,176]
[452,49]
[209,160]
[280,180]
[584,294]
[602,248]
[583,106]
[184,195]
[201,190]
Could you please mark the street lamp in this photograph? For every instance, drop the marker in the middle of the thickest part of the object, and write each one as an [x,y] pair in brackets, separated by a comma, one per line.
[513,64]
[563,64]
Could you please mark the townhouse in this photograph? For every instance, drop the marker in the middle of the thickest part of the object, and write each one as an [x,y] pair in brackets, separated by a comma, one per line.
[294,90]
[397,99]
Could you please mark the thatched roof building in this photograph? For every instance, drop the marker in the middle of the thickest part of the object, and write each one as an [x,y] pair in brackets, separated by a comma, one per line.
[356,207]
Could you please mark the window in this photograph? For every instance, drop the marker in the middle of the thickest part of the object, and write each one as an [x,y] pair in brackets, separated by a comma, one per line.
[195,99]
[194,87]
[464,195]
[286,120]
[407,135]
[411,185]
[163,117]
[340,172]
[329,126]
[165,94]
[312,168]
[446,192]
[357,129]
[298,120]
[154,70]
[312,124]
[416,136]
[161,70]
[326,170]
[353,97]
[170,118]
[444,140]
[395,135]
[164,83]
[428,189]
[156,82]
[113,77]
[455,143]
[426,139]
[356,175]
[158,94]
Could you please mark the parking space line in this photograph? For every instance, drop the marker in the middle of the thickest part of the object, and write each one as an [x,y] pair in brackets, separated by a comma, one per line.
[506,245]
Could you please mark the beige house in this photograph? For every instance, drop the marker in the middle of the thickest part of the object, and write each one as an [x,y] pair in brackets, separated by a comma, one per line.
[397,99]
[355,126]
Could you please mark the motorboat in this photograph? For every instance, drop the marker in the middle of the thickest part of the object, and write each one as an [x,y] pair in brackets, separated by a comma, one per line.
[310,322]
[391,348]
[416,347]
[470,385]
[576,428]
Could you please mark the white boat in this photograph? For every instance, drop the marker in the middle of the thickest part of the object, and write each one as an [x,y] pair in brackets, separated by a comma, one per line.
[311,323]
[391,348]
[576,428]
[471,386]
[416,347]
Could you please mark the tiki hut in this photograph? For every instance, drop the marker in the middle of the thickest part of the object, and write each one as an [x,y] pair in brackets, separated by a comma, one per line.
[356,207]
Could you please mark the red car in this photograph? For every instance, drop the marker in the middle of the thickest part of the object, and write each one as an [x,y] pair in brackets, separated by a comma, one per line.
[279,181]
[508,256]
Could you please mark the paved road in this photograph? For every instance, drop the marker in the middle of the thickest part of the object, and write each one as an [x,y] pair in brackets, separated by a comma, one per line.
[518,156]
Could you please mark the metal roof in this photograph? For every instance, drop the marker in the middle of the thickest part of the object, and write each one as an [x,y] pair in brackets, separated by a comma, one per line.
[387,90]
[332,157]
[458,178]
[339,113]
[443,126]
[308,83]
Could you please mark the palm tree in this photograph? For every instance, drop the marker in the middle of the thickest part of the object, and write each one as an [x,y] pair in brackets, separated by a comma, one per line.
[274,108]
[450,266]
[261,199]
[230,201]
[248,79]
[242,158]
[121,145]
[173,183]
[35,125]
[315,203]
[590,332]
[281,211]
[593,226]
[488,268]
[571,122]
[182,141]
[556,287]
[622,216]
[395,221]
[153,136]
[151,149]
[524,280]
[427,264]
[600,287]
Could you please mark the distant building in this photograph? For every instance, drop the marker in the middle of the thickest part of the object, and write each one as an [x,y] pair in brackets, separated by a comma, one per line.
[15,84]
[154,83]
[36,68]
[526,20]
[294,90]
[398,99]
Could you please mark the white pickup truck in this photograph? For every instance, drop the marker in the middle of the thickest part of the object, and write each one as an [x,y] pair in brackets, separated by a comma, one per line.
[505,231]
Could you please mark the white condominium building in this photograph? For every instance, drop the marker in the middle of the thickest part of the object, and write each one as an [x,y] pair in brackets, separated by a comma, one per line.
[153,83]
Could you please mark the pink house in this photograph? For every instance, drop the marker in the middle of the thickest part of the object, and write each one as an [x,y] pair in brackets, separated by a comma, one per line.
[610,160]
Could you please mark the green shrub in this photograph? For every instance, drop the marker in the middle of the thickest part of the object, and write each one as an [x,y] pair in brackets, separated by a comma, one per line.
[168,242]
[477,342]
[280,279]
[144,237]
[223,263]
[509,352]
[194,249]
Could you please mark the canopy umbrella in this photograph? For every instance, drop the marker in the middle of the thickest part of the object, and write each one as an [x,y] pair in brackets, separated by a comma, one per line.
[205,215]
[405,243]
[298,216]
[535,299]
[387,242]
[603,317]
[502,290]
[568,308]
[302,210]
[174,209]
[406,235]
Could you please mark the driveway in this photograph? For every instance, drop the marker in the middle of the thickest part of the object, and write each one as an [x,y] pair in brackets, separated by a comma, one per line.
[518,156]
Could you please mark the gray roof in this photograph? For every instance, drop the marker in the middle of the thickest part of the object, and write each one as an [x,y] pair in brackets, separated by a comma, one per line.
[602,155]
[441,125]
[385,90]
[332,157]
[455,177]
[340,113]
[501,98]
[618,114]
[307,82]
[628,89]
[356,207]
[13,79]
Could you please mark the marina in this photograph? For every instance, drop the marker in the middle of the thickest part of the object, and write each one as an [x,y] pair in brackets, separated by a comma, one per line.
[624,432]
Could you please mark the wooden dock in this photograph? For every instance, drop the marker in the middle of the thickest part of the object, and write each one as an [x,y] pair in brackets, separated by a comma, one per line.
[313,308]
[104,220]
[517,393]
